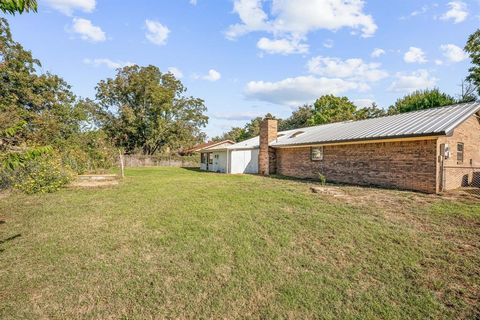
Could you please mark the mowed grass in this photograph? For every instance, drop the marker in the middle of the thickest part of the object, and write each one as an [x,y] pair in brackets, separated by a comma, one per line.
[177,243]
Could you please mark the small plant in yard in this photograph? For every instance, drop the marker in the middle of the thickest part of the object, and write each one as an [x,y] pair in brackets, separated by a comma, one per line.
[322,179]
[41,175]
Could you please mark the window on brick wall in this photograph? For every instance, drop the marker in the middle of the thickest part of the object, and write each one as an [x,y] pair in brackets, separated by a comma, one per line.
[460,150]
[316,153]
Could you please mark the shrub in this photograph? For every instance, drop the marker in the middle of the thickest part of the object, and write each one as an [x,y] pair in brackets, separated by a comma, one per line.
[40,175]
[322,179]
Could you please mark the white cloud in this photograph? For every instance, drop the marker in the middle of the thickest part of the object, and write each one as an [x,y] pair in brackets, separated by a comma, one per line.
[240,116]
[67,7]
[438,62]
[453,53]
[328,43]
[414,55]
[408,82]
[377,52]
[107,63]
[176,72]
[299,90]
[252,16]
[157,33]
[193,2]
[295,19]
[213,75]
[363,103]
[352,69]
[281,46]
[87,30]
[458,12]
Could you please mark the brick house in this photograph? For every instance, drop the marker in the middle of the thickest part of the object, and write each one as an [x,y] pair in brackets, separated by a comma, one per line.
[429,150]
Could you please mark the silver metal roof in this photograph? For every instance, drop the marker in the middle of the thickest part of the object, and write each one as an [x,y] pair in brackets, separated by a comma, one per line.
[435,121]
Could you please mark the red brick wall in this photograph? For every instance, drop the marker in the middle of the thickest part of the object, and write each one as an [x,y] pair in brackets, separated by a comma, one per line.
[407,165]
[268,133]
[456,174]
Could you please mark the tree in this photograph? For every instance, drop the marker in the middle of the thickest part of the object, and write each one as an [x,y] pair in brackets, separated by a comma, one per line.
[145,110]
[44,102]
[18,6]
[235,134]
[298,119]
[469,92]
[329,108]
[473,49]
[421,99]
[369,112]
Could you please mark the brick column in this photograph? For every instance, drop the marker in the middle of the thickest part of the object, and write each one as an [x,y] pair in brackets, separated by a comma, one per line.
[268,133]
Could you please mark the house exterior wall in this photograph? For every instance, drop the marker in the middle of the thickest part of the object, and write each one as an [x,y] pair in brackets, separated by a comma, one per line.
[405,164]
[244,161]
[218,163]
[454,173]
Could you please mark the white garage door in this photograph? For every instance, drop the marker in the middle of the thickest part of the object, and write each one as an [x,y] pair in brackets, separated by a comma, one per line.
[244,161]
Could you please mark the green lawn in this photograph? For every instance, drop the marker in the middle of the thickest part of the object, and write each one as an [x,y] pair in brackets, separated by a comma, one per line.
[177,243]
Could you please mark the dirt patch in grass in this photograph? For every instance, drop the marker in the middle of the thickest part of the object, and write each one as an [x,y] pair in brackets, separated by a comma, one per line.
[93,181]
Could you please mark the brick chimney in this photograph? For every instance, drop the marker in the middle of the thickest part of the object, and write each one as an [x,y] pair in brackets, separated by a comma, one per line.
[268,133]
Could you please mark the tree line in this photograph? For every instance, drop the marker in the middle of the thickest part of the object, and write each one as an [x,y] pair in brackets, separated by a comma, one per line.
[48,134]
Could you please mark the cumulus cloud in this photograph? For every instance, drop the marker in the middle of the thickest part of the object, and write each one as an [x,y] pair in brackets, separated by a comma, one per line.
[212,75]
[414,55]
[351,69]
[457,12]
[157,33]
[67,7]
[87,30]
[377,52]
[299,90]
[111,64]
[176,72]
[453,53]
[295,19]
[408,82]
[281,46]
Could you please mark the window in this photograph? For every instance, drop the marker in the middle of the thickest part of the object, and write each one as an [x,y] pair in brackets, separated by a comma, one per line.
[203,158]
[316,154]
[210,158]
[459,152]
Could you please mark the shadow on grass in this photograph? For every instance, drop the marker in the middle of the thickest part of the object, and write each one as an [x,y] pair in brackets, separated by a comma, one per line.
[10,238]
[193,169]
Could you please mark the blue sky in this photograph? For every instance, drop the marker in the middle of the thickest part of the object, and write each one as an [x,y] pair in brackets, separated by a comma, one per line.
[249,57]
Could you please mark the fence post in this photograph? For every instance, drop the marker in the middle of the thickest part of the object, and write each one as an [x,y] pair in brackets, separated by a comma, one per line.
[121,164]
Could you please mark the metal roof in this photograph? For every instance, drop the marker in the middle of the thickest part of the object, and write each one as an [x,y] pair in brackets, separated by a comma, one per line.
[428,122]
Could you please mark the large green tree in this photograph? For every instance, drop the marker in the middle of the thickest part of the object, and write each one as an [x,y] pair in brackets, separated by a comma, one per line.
[43,102]
[473,49]
[329,108]
[18,6]
[298,119]
[421,99]
[146,110]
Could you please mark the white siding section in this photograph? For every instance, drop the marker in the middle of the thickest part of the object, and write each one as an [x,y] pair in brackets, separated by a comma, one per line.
[219,162]
[244,161]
